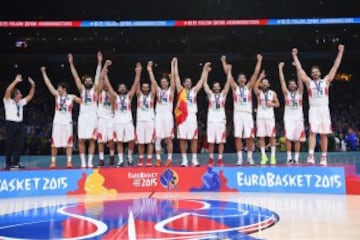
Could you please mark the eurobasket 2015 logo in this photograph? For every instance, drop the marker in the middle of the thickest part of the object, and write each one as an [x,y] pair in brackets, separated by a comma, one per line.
[169,179]
[144,218]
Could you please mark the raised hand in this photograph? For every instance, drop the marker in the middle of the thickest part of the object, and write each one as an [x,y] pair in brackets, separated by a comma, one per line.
[229,67]
[259,57]
[99,57]
[294,51]
[108,63]
[31,81]
[281,65]
[207,67]
[262,74]
[341,47]
[70,58]
[223,58]
[138,67]
[150,65]
[18,78]
[43,69]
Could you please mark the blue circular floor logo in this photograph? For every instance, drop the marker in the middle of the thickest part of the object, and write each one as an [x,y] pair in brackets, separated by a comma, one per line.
[144,218]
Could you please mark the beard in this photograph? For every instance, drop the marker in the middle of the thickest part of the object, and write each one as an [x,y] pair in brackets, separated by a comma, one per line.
[88,86]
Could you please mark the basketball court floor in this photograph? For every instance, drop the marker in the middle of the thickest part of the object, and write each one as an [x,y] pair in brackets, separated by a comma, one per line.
[174,215]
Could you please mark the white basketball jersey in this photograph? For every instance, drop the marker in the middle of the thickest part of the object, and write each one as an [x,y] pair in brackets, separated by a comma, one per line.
[216,109]
[145,108]
[122,109]
[104,105]
[242,99]
[264,111]
[318,92]
[293,105]
[191,101]
[63,109]
[164,101]
[88,101]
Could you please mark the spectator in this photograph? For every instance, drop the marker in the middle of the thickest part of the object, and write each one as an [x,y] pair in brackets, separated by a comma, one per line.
[351,140]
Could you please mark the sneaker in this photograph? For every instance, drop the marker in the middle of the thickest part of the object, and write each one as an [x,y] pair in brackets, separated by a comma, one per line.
[83,165]
[184,163]
[264,160]
[323,161]
[195,163]
[52,165]
[220,163]
[120,165]
[149,162]
[112,161]
[272,160]
[289,161]
[17,166]
[69,165]
[168,163]
[101,163]
[211,162]
[141,162]
[158,163]
[130,163]
[90,165]
[239,162]
[251,161]
[310,159]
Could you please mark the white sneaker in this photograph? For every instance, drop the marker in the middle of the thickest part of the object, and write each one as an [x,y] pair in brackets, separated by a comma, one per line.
[83,165]
[251,161]
[323,161]
[195,163]
[239,162]
[90,164]
[310,160]
[184,163]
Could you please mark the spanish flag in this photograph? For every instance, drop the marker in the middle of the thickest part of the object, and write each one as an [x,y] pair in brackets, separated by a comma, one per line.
[181,111]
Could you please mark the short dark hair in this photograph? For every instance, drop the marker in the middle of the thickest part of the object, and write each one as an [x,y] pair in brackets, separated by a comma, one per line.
[316,67]
[122,84]
[85,77]
[14,92]
[64,85]
[241,73]
[292,80]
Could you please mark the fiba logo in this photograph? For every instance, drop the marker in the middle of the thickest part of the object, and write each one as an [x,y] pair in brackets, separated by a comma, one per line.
[169,179]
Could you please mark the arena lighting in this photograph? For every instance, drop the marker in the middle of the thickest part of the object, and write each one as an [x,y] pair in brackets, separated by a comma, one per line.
[343,77]
[180,23]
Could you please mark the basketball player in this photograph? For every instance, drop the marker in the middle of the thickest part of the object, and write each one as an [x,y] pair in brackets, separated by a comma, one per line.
[62,132]
[265,117]
[145,116]
[243,118]
[14,106]
[293,114]
[123,121]
[105,122]
[216,119]
[188,130]
[87,121]
[319,112]
[164,120]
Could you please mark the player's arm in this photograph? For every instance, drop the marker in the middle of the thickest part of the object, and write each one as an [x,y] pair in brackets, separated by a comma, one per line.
[106,81]
[179,87]
[138,70]
[172,76]
[284,89]
[31,91]
[300,83]
[136,84]
[275,101]
[331,75]
[48,83]
[256,72]
[204,75]
[229,79]
[74,73]
[204,79]
[99,56]
[224,64]
[11,86]
[76,99]
[304,77]
[154,84]
[257,83]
